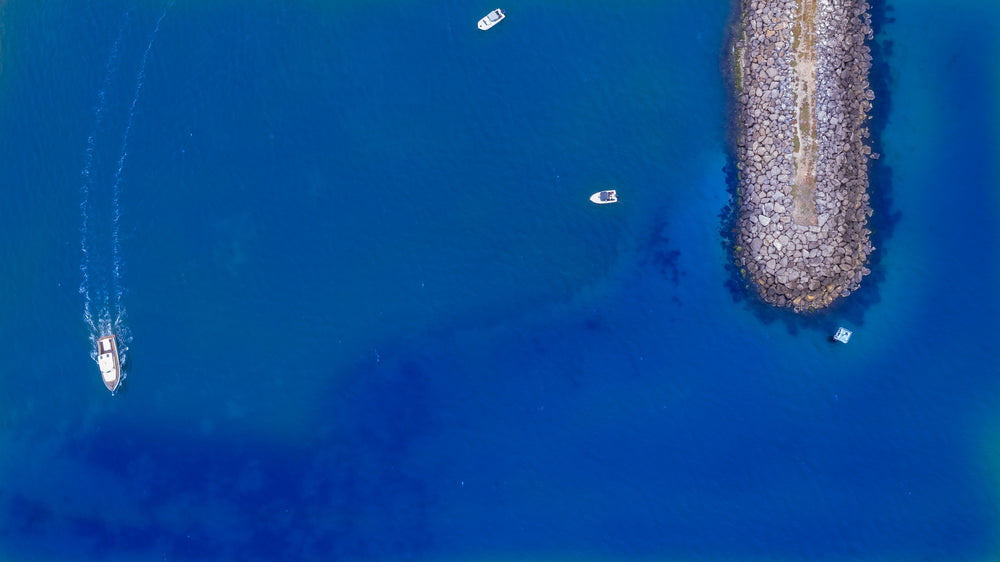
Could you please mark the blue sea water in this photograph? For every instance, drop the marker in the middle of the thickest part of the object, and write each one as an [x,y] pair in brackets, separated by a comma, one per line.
[370,314]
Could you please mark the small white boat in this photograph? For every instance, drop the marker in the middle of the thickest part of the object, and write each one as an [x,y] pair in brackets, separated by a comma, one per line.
[843,335]
[491,19]
[604,197]
[107,360]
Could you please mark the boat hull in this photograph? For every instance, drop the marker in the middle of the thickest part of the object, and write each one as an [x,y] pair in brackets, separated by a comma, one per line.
[604,197]
[109,363]
[487,22]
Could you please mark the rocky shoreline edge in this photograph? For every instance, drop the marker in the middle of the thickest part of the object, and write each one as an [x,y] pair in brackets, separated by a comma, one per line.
[803,100]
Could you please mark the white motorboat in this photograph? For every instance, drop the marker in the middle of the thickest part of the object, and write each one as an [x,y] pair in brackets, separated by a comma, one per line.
[491,19]
[107,360]
[604,197]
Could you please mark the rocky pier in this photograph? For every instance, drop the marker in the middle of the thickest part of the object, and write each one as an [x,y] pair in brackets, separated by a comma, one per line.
[801,71]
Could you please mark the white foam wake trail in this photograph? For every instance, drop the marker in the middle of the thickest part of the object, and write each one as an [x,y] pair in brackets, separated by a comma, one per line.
[116,265]
[88,163]
[104,326]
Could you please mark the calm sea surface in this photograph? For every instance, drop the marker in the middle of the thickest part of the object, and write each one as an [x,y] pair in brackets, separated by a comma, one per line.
[370,315]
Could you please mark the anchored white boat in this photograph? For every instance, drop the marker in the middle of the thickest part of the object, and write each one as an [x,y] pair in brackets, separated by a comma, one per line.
[843,335]
[107,360]
[604,197]
[491,19]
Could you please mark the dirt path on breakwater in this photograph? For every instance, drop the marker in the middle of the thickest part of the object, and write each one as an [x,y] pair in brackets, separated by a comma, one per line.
[806,148]
[801,72]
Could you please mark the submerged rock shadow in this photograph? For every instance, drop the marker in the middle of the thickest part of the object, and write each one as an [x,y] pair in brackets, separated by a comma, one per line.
[656,252]
[336,493]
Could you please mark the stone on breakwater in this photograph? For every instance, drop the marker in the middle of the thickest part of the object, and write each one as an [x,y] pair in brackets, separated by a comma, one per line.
[803,66]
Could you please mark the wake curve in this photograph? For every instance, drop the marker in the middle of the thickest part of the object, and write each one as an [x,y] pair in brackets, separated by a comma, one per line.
[88,162]
[116,187]
[109,317]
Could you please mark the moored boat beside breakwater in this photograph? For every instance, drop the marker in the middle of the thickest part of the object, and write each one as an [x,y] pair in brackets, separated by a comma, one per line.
[801,70]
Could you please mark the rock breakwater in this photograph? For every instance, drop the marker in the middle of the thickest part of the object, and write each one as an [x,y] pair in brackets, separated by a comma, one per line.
[801,70]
